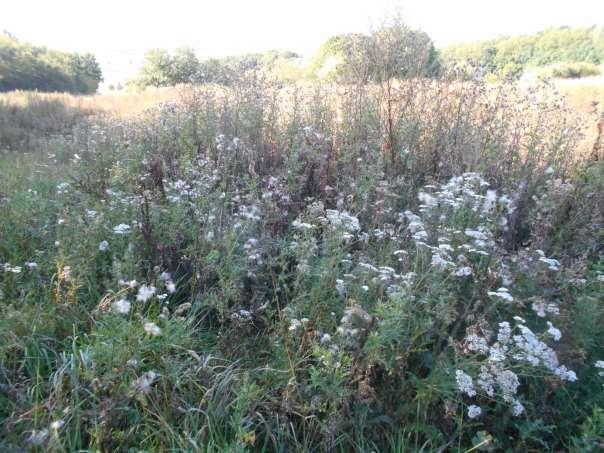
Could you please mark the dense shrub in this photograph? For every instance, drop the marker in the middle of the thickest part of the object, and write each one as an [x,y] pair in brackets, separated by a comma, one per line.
[575,70]
[392,51]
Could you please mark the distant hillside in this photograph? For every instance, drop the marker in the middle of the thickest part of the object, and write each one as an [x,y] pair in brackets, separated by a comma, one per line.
[27,67]
[512,56]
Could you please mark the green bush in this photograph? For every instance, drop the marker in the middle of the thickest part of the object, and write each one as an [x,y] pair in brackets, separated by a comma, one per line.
[575,70]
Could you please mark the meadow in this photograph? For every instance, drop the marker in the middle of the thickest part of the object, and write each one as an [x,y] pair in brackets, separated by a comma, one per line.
[395,266]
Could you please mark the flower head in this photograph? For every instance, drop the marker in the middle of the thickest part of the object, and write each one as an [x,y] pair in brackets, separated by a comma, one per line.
[145,293]
[474,411]
[152,329]
[122,306]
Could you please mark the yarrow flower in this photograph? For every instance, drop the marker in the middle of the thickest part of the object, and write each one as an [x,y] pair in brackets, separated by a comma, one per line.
[552,264]
[464,383]
[502,293]
[122,229]
[464,271]
[517,408]
[555,333]
[600,364]
[477,344]
[103,246]
[474,411]
[6,267]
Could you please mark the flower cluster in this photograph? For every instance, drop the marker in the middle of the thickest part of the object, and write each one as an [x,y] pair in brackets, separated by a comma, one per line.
[513,347]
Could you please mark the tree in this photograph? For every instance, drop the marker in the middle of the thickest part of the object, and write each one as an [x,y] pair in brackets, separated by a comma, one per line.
[184,66]
[393,51]
[156,70]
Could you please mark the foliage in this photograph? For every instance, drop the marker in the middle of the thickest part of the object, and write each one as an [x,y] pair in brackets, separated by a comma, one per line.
[511,56]
[575,70]
[161,69]
[27,67]
[393,51]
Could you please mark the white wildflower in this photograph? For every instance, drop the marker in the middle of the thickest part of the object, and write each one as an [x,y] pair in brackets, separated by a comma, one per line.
[565,374]
[152,329]
[489,200]
[56,425]
[464,383]
[143,383]
[38,436]
[298,225]
[474,411]
[501,293]
[145,293]
[496,353]
[555,333]
[170,286]
[103,246]
[122,306]
[440,262]
[505,333]
[294,324]
[340,288]
[477,343]
[508,383]
[475,234]
[122,228]
[517,408]
[325,338]
[552,264]
[486,381]
[464,271]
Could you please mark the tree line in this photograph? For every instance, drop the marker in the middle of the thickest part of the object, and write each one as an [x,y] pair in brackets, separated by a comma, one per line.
[510,57]
[27,67]
[392,51]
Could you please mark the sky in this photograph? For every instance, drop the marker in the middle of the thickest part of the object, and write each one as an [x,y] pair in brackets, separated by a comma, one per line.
[120,31]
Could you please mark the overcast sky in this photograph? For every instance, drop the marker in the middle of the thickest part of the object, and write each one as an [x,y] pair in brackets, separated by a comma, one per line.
[119,31]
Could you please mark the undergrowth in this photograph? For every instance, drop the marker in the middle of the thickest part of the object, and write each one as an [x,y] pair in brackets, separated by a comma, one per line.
[402,267]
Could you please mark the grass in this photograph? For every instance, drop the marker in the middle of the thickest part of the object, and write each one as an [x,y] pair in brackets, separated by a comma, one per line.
[302,268]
